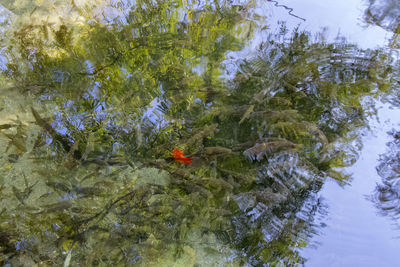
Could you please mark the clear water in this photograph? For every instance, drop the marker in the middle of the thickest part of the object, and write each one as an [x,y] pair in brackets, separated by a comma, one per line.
[178,133]
[355,234]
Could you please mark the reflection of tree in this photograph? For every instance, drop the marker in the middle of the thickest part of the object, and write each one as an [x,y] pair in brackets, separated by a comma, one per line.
[387,194]
[89,174]
[296,102]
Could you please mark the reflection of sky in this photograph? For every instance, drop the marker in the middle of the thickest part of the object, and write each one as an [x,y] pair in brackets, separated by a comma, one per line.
[5,20]
[333,17]
[355,235]
[342,17]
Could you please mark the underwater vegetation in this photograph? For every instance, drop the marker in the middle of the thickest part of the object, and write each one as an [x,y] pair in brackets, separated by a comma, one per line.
[96,110]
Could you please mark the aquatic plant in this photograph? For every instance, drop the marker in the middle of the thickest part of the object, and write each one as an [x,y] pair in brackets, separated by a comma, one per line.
[91,110]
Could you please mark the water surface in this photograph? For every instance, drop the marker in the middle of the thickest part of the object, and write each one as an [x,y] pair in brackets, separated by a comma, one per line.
[175,133]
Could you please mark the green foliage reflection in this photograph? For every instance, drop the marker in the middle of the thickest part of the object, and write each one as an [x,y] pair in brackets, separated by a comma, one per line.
[97,107]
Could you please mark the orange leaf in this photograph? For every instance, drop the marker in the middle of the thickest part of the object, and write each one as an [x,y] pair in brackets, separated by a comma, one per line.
[176,153]
[179,156]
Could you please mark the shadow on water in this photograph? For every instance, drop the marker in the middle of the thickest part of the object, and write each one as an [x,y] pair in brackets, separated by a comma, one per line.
[94,102]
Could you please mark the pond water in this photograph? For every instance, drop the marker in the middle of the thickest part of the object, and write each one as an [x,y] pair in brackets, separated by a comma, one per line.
[210,133]
[355,234]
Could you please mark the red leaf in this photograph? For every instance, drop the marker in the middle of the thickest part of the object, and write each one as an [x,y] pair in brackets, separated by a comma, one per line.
[179,156]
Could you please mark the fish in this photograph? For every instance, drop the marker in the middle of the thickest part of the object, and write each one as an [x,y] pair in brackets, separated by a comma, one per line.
[179,156]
